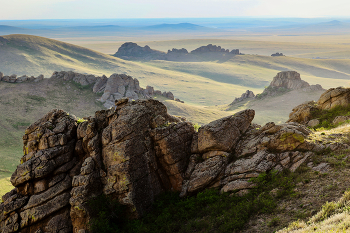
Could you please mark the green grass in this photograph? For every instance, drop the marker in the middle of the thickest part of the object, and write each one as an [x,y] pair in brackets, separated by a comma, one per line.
[326,117]
[208,211]
[36,98]
[5,186]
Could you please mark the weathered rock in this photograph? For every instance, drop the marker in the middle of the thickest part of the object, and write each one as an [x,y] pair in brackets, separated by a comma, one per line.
[334,97]
[131,50]
[313,123]
[285,137]
[302,113]
[277,54]
[205,175]
[223,134]
[100,84]
[42,180]
[168,95]
[340,119]
[133,153]
[248,94]
[289,80]
[237,185]
[141,162]
[173,148]
[209,49]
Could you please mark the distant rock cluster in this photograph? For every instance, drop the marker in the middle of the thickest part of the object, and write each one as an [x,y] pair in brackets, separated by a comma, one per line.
[178,51]
[277,55]
[115,87]
[130,50]
[24,78]
[213,48]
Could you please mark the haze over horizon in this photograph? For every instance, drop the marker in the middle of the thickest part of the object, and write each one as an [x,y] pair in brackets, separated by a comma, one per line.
[108,9]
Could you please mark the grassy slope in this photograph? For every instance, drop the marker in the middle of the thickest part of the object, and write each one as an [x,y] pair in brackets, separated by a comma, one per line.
[200,83]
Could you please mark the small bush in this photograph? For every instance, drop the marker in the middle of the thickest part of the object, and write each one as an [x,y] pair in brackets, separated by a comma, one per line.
[196,127]
[80,120]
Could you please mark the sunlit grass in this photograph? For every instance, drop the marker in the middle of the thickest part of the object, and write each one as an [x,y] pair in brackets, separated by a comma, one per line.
[5,186]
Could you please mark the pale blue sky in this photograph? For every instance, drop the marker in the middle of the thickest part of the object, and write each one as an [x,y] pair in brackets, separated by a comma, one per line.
[92,9]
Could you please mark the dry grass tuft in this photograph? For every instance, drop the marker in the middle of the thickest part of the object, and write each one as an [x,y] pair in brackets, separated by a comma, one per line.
[333,217]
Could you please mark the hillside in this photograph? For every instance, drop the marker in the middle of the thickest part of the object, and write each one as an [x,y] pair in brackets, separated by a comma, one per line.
[207,83]
[32,55]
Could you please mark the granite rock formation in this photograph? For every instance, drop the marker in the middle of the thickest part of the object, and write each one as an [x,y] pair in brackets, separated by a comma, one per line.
[334,97]
[115,87]
[330,99]
[130,50]
[289,80]
[24,78]
[134,152]
[286,81]
[246,95]
[277,55]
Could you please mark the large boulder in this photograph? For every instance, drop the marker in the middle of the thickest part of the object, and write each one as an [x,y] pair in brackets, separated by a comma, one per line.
[303,112]
[334,97]
[223,134]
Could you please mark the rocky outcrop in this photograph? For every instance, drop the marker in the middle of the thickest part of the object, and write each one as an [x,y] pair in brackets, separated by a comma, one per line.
[130,50]
[227,161]
[134,152]
[303,112]
[330,99]
[334,97]
[289,79]
[178,51]
[24,78]
[247,95]
[277,55]
[115,87]
[43,180]
[209,48]
[213,48]
[286,81]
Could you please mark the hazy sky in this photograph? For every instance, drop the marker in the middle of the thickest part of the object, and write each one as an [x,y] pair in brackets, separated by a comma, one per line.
[90,9]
